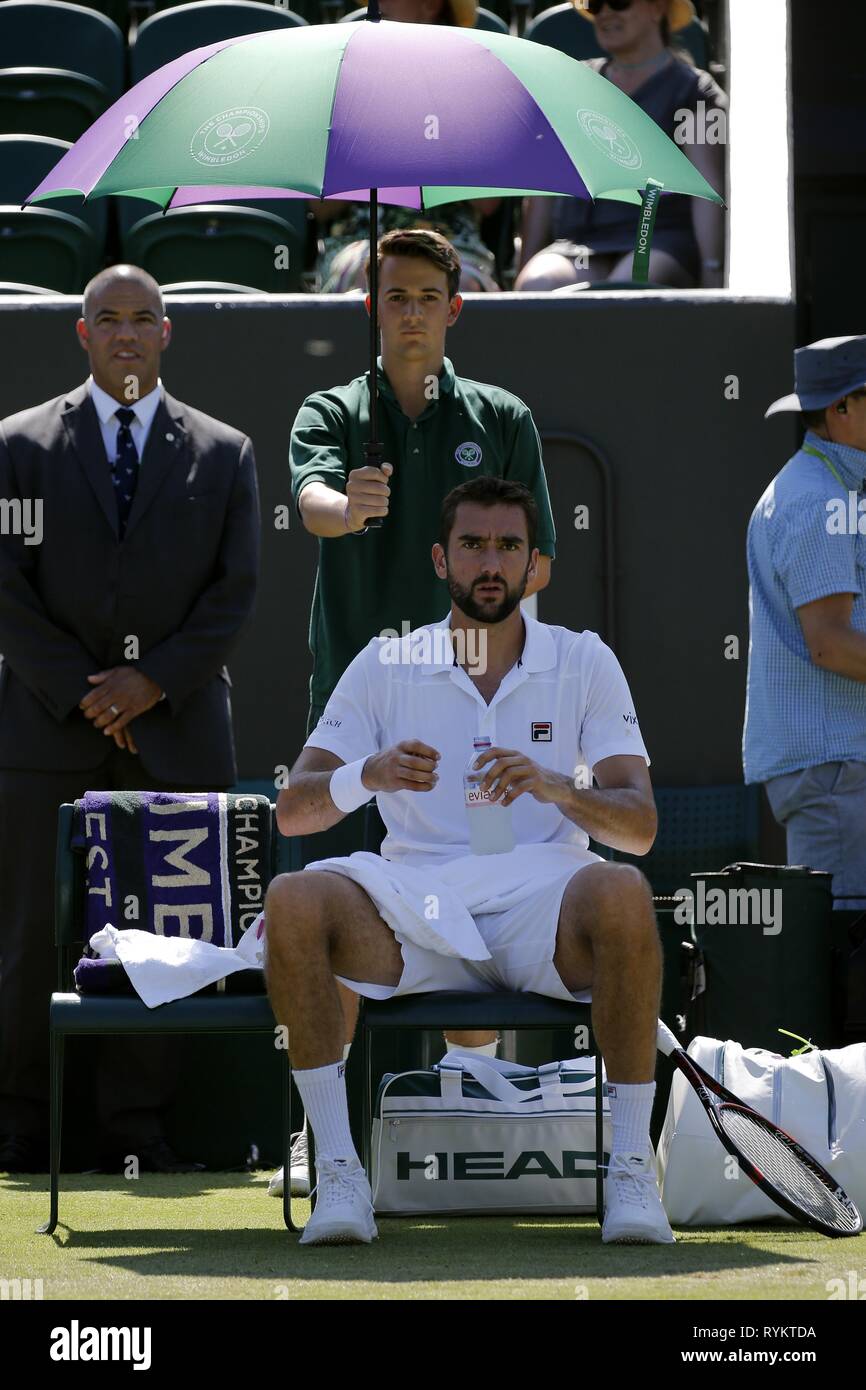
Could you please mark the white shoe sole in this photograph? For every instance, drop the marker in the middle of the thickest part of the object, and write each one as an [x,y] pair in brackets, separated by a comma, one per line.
[637,1236]
[339,1233]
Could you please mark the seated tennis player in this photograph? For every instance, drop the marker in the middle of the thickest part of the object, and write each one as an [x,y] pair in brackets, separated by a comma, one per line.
[485,879]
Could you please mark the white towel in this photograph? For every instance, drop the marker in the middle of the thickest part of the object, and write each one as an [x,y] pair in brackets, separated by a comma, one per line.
[162,968]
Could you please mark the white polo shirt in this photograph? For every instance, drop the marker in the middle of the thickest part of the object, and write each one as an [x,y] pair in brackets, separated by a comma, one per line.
[565,703]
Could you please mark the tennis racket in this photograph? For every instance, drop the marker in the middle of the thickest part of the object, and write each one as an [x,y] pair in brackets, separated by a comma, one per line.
[775,1162]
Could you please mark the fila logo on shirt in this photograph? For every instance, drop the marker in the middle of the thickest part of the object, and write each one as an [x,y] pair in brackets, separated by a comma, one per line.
[542,731]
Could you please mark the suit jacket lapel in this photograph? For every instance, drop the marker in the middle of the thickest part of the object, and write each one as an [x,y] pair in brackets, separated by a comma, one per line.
[82,427]
[165,449]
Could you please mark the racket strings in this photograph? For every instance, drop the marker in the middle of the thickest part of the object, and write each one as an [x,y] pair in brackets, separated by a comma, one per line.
[767,1149]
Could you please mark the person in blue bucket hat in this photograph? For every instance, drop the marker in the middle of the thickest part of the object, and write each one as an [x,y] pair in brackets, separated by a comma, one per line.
[805,725]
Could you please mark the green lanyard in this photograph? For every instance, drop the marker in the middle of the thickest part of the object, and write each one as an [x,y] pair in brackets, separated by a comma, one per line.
[808,449]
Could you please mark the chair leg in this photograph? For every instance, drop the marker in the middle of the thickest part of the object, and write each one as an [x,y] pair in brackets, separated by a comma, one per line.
[599,1140]
[286,1146]
[57,1042]
[367,1107]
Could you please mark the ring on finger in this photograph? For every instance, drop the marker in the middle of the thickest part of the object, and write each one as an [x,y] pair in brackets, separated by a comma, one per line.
[114,710]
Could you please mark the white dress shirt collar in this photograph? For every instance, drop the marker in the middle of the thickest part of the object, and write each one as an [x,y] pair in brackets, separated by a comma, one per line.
[106,405]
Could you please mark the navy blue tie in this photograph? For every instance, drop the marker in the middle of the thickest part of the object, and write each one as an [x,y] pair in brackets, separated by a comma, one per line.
[124,470]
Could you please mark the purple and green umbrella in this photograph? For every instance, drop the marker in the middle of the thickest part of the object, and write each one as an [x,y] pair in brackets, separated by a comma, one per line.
[412,114]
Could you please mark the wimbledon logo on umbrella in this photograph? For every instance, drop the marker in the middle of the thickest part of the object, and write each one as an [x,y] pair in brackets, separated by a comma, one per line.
[610,138]
[230,135]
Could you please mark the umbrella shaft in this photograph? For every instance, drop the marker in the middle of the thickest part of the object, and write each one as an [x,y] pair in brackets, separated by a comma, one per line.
[374,314]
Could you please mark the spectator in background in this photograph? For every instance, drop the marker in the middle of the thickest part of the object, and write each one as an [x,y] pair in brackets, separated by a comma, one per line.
[805,730]
[433,440]
[568,241]
[148,528]
[347,238]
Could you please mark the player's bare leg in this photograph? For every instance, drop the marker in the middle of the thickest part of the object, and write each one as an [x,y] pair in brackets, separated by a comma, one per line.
[608,941]
[320,925]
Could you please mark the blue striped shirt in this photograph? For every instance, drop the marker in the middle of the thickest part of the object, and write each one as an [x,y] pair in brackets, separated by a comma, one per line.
[803,544]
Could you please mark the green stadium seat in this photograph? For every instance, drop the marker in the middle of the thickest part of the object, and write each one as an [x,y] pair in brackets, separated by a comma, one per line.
[561,27]
[218,241]
[486,19]
[208,287]
[493,23]
[42,247]
[62,65]
[24,162]
[48,101]
[16,287]
[169,33]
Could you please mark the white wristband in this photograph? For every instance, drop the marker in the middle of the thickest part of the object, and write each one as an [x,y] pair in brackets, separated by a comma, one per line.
[347,790]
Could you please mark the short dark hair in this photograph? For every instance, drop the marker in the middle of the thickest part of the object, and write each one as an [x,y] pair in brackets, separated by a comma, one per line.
[426,245]
[488,491]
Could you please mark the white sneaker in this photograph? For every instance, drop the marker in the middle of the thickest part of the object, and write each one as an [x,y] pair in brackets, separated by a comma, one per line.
[633,1212]
[299,1170]
[343,1214]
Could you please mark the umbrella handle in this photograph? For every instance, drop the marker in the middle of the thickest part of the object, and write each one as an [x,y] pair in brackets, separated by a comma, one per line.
[373,456]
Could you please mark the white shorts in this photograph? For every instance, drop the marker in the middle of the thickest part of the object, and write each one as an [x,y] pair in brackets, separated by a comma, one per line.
[521,942]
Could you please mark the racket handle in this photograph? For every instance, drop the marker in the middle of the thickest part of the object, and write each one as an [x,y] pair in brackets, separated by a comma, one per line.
[666,1042]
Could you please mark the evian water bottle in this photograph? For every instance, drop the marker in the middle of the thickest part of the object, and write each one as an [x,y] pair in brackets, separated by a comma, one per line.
[490,830]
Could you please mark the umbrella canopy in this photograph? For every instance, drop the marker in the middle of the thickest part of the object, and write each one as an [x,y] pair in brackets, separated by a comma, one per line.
[411,114]
[424,114]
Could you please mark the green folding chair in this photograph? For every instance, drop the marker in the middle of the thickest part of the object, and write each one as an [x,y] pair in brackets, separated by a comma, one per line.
[72,1014]
[219,241]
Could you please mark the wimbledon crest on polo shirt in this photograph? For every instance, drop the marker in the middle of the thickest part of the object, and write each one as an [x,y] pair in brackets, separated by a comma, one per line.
[469,454]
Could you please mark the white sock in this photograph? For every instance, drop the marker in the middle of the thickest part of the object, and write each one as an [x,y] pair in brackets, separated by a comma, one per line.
[323,1092]
[483,1049]
[630,1111]
[347,1048]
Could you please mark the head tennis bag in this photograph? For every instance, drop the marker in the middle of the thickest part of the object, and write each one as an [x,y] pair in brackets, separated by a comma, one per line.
[474,1135]
[819,1098]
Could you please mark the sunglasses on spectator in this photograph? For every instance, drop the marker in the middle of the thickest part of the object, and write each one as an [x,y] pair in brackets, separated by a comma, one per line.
[595,6]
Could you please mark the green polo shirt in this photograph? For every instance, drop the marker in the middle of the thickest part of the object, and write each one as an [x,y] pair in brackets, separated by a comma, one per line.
[385,578]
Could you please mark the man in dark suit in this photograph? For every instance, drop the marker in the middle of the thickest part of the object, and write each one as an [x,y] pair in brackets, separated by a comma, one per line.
[128,560]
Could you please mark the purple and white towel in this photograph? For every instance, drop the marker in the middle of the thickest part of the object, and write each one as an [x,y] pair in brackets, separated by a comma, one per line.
[175,864]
